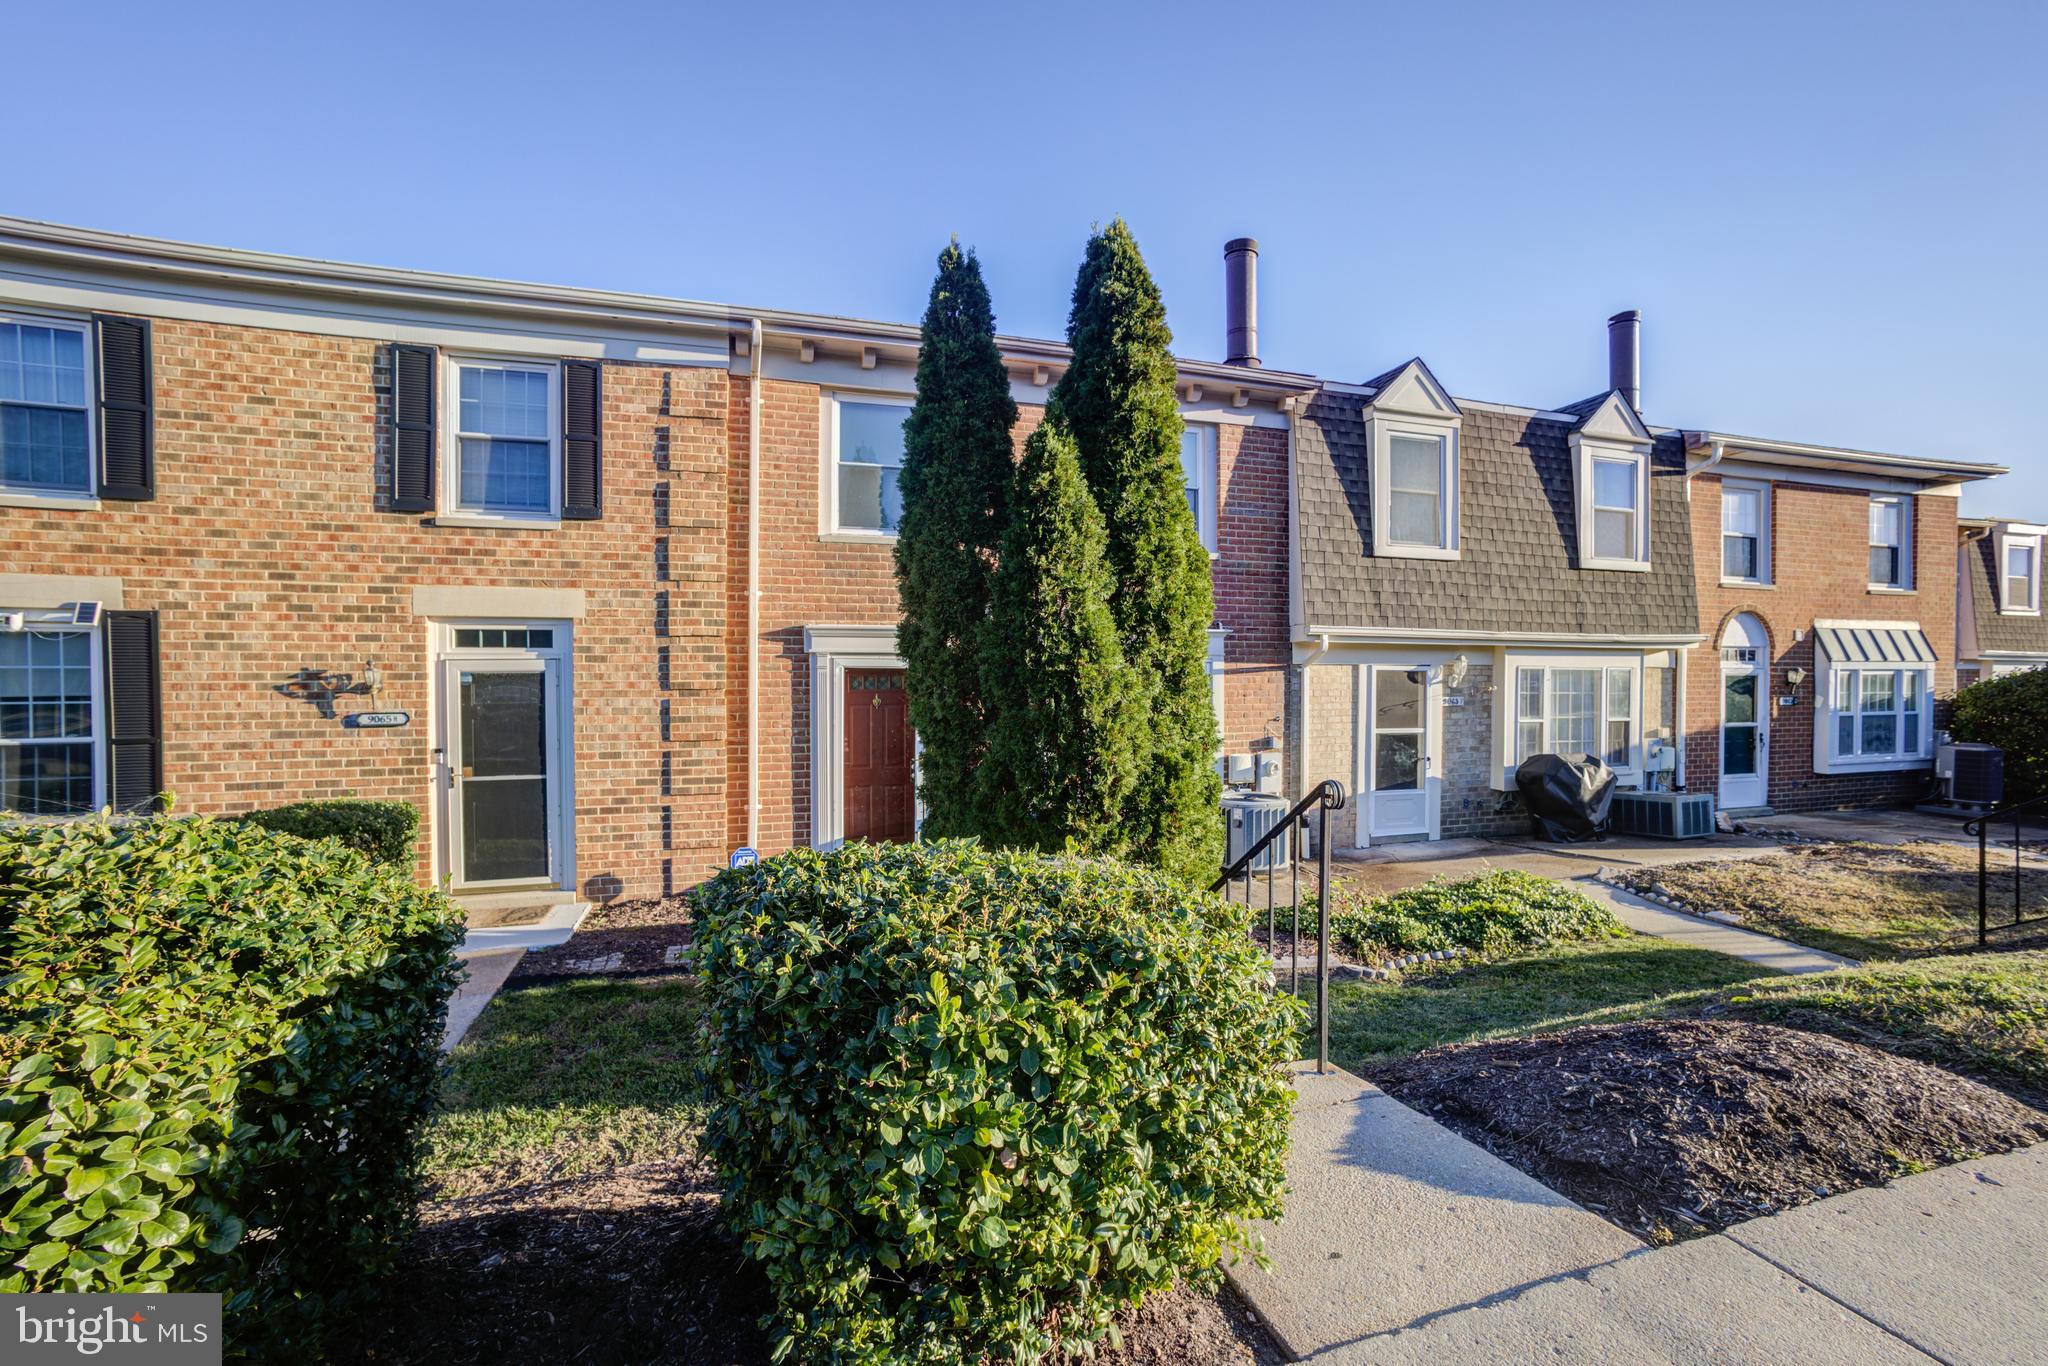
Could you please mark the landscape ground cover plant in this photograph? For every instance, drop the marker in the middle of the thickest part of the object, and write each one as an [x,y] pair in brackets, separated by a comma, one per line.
[220,1044]
[972,1102]
[1490,913]
[1870,902]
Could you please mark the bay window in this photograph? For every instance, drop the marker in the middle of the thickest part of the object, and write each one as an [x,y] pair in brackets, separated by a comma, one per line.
[1576,711]
[1879,713]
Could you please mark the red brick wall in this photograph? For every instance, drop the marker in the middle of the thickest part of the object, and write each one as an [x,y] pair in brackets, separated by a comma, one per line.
[1819,537]
[265,552]
[806,580]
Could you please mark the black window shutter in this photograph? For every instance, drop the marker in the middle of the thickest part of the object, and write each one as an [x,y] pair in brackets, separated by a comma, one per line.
[582,441]
[412,428]
[127,410]
[135,750]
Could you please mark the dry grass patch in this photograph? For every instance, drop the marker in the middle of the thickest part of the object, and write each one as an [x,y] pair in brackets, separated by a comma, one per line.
[1871,902]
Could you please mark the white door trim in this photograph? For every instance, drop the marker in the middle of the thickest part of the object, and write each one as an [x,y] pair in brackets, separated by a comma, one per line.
[834,650]
[556,663]
[1429,798]
[1751,790]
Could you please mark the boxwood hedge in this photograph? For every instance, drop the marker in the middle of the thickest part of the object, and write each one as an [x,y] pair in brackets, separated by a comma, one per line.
[219,1045]
[384,831]
[970,1102]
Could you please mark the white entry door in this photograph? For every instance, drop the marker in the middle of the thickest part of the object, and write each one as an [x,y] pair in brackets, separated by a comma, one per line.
[1396,754]
[504,756]
[1744,729]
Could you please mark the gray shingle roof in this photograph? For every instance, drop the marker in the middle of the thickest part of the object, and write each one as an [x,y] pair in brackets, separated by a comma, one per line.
[1517,571]
[1585,407]
[1996,632]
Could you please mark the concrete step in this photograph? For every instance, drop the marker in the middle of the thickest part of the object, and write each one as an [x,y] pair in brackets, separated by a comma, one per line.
[525,925]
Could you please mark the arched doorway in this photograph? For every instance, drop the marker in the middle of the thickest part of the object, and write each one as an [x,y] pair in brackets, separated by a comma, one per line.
[1745,714]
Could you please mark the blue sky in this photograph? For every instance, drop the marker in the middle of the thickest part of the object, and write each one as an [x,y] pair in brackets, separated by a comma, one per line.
[1833,218]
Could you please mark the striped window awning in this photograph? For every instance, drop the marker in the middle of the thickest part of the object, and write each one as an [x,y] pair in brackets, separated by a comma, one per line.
[1850,642]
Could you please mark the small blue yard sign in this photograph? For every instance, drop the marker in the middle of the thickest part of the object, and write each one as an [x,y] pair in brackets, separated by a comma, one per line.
[743,857]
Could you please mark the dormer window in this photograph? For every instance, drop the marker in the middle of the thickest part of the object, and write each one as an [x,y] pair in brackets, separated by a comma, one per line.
[2019,569]
[1412,431]
[1611,472]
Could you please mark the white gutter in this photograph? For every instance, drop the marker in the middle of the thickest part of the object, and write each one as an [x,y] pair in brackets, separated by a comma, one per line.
[755,396]
[1720,453]
[1373,635]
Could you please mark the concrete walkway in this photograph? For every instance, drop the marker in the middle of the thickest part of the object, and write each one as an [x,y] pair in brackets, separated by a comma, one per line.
[1644,917]
[1403,1242]
[482,975]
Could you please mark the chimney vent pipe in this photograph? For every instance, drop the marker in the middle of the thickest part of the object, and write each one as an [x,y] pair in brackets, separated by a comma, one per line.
[1241,298]
[1625,356]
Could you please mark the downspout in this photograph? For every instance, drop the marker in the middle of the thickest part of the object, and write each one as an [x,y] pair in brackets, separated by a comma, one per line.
[755,394]
[1719,453]
[1301,767]
[1681,732]
[1966,600]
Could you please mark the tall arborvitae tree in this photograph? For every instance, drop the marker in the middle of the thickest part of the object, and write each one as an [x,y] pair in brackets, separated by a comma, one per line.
[1117,399]
[957,466]
[1066,732]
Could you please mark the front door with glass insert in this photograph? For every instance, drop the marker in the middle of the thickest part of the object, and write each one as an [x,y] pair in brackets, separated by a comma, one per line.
[1397,754]
[503,751]
[1743,737]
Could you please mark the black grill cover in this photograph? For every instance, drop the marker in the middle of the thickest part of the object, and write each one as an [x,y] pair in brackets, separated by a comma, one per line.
[1568,797]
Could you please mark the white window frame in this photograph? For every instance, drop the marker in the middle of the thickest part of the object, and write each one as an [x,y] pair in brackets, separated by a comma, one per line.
[1831,758]
[1904,503]
[828,427]
[2010,537]
[23,495]
[1206,476]
[59,621]
[452,512]
[1586,452]
[1604,667]
[1382,431]
[1761,491]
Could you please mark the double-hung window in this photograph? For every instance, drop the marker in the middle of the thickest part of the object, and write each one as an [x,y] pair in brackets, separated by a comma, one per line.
[865,447]
[1890,526]
[1745,533]
[49,720]
[1617,500]
[1879,713]
[45,407]
[1415,490]
[506,421]
[2022,576]
[1574,712]
[1198,477]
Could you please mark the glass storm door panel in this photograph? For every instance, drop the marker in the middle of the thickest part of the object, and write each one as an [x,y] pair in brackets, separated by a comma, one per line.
[502,771]
[1397,754]
[1742,738]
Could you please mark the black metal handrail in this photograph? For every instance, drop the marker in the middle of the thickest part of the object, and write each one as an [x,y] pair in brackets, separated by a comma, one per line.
[1980,826]
[1324,797]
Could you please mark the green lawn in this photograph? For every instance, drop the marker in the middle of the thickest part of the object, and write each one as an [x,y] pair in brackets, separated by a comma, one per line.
[1978,1012]
[561,1080]
[1554,988]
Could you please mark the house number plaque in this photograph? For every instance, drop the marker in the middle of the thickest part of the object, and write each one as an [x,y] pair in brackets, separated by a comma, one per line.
[376,720]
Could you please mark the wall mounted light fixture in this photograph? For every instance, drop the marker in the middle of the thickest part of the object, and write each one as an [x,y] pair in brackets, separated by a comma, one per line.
[1794,677]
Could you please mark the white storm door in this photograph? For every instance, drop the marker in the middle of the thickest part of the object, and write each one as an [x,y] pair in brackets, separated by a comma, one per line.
[506,788]
[1743,736]
[1397,754]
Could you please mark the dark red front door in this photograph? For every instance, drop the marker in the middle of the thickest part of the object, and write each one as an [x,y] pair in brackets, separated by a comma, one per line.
[880,797]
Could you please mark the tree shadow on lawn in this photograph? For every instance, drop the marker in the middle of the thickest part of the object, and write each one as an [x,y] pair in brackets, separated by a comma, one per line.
[1555,988]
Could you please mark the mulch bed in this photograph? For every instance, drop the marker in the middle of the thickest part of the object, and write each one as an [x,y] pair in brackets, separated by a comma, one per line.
[1676,1128]
[619,939]
[633,1265]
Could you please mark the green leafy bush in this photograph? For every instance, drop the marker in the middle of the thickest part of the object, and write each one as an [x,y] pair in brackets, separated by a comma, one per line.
[1491,913]
[2010,711]
[969,1102]
[220,1046]
[384,831]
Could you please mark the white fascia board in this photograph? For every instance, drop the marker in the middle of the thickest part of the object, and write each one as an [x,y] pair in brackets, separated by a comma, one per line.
[1798,453]
[1382,634]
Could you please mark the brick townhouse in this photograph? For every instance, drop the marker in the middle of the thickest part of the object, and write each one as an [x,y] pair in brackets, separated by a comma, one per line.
[274,528]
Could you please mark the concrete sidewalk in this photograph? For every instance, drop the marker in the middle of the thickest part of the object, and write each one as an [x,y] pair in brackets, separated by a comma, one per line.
[1644,917]
[1403,1242]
